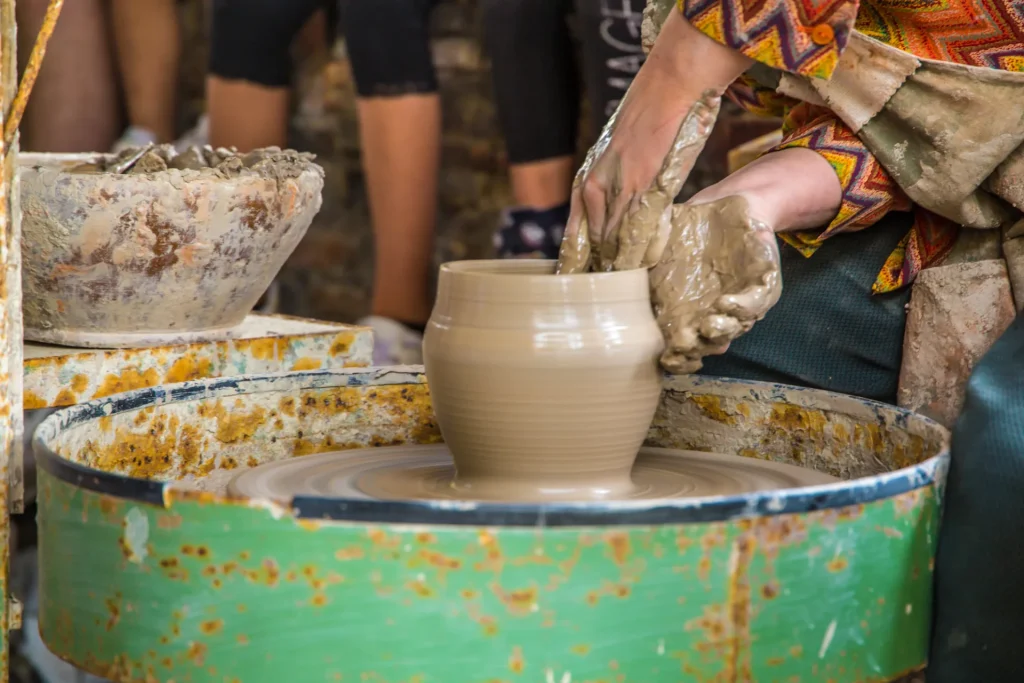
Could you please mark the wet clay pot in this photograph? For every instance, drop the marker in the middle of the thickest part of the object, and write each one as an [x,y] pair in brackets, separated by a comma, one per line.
[115,260]
[544,385]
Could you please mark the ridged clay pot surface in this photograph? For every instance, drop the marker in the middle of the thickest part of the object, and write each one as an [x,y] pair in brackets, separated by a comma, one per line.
[132,260]
[544,385]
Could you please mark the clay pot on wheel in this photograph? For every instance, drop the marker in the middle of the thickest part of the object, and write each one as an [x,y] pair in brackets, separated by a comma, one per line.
[544,385]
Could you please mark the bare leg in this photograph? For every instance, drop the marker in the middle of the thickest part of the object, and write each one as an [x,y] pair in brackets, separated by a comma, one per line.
[73,107]
[148,41]
[248,90]
[542,184]
[401,144]
[246,115]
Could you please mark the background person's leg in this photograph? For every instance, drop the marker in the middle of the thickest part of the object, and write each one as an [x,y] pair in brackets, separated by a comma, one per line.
[828,330]
[148,42]
[536,86]
[248,89]
[388,43]
[74,105]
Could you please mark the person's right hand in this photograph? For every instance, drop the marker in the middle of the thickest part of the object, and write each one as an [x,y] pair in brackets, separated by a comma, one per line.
[622,196]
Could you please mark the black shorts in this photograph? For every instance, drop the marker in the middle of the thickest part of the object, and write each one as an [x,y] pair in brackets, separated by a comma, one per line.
[251,40]
[533,57]
[388,45]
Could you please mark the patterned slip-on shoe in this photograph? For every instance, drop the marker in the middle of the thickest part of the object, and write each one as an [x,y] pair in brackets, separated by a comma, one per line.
[528,233]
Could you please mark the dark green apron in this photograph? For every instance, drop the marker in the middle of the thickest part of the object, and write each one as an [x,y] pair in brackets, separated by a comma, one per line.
[979,570]
[828,330]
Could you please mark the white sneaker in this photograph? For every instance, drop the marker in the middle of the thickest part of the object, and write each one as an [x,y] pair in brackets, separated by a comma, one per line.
[133,136]
[393,342]
[197,137]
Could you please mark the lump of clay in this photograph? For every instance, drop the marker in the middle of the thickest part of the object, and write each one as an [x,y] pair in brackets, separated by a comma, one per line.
[223,162]
[191,159]
[211,157]
[257,155]
[150,162]
[230,166]
[166,152]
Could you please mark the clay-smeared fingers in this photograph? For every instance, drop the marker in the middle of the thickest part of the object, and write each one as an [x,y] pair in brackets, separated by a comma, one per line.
[642,222]
[659,240]
[717,327]
[574,252]
[638,229]
[676,362]
[594,193]
[751,303]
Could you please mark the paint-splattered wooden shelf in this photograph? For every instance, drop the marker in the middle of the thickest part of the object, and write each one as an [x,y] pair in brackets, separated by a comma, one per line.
[57,376]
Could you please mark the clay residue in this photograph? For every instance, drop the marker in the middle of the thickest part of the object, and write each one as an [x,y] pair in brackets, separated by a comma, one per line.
[630,229]
[223,163]
[215,482]
[116,258]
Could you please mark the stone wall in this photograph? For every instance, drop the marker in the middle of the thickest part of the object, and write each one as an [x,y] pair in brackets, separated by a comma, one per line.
[330,274]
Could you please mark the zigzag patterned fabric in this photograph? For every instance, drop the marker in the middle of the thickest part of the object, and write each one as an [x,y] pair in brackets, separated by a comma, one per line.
[806,37]
[868,191]
[757,99]
[929,242]
[868,194]
[801,36]
[985,33]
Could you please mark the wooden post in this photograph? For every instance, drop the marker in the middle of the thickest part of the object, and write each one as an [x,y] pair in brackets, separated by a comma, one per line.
[10,324]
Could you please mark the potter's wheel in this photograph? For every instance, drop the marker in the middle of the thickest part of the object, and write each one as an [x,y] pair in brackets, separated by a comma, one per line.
[427,473]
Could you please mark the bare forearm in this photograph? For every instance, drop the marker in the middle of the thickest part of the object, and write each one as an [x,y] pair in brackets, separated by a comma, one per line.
[793,189]
[695,61]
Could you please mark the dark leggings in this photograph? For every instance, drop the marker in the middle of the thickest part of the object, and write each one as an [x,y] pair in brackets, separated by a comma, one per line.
[535,72]
[250,40]
[532,55]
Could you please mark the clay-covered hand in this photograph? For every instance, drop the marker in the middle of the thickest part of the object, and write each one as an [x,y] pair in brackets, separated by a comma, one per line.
[623,193]
[718,274]
[622,197]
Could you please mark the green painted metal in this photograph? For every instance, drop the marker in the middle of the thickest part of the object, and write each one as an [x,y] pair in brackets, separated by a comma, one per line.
[202,588]
[206,592]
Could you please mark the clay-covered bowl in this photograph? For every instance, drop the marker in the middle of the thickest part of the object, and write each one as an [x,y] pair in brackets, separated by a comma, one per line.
[543,385]
[113,260]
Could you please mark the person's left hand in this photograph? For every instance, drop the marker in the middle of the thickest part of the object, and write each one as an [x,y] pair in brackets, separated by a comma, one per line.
[718,275]
[719,271]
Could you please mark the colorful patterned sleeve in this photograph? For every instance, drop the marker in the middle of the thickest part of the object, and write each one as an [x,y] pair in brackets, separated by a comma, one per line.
[869,193]
[803,37]
[747,93]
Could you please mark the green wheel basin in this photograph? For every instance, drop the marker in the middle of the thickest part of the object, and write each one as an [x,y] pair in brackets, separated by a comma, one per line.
[144,581]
